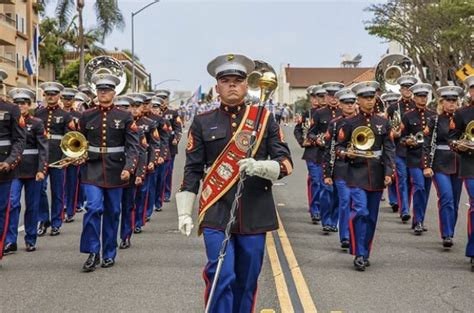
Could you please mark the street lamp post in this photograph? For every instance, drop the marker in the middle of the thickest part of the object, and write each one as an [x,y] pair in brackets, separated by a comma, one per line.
[133,41]
[165,81]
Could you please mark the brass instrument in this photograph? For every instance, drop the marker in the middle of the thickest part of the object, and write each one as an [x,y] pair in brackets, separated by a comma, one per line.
[396,120]
[321,137]
[263,79]
[391,68]
[104,64]
[362,140]
[306,126]
[418,138]
[74,146]
[467,138]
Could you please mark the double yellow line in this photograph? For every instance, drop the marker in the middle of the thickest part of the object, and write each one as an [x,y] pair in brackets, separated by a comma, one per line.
[281,276]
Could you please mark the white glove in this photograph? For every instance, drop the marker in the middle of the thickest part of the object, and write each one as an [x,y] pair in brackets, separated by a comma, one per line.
[267,169]
[185,204]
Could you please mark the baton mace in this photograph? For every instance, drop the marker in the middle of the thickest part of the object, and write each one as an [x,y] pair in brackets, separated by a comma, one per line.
[263,78]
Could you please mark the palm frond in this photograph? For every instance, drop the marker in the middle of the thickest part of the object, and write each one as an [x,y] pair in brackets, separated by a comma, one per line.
[64,9]
[109,16]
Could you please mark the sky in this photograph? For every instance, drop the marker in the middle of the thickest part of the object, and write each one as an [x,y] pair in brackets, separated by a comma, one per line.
[176,39]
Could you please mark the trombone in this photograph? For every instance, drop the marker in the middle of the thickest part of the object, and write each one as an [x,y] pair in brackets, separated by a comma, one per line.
[74,146]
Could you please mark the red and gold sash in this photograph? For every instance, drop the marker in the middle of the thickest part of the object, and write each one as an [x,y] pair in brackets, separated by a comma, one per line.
[224,172]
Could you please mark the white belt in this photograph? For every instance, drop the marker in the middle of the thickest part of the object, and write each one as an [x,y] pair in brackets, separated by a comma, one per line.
[377,153]
[106,149]
[30,151]
[443,147]
[56,137]
[4,143]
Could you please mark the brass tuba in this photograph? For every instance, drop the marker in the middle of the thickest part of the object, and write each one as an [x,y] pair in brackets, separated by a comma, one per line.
[105,65]
[74,146]
[467,138]
[391,68]
[362,140]
[263,79]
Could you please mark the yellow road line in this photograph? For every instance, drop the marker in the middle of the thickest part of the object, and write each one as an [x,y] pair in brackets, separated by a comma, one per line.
[281,287]
[301,287]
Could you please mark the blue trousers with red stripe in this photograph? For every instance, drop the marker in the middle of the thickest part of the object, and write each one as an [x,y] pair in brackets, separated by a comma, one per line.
[32,198]
[363,220]
[448,188]
[127,222]
[392,194]
[151,197]
[4,212]
[101,220]
[57,178]
[169,178]
[140,202]
[329,205]
[160,184]
[72,189]
[421,186]
[315,177]
[402,177]
[237,284]
[344,200]
[469,184]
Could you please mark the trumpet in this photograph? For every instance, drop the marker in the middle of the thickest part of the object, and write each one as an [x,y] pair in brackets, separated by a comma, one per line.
[418,138]
[467,138]
[74,147]
[362,140]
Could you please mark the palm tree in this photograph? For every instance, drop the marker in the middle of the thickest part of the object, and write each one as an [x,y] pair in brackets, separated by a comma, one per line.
[108,17]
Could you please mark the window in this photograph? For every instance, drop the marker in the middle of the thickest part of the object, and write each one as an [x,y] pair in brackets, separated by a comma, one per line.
[17,22]
[23,25]
[23,63]
[17,61]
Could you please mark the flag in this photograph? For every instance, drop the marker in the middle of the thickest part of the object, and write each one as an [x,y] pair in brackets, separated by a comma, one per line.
[196,96]
[31,62]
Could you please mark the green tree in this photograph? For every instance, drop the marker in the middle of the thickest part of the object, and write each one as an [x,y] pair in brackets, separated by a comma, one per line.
[436,34]
[70,75]
[108,17]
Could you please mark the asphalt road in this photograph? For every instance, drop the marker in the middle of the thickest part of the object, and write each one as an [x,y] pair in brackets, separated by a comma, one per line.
[162,270]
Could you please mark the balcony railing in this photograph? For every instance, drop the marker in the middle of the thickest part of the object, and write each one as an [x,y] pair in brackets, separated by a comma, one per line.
[7,61]
[6,19]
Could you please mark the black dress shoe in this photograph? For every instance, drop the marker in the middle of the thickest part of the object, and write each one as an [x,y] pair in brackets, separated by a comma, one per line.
[55,231]
[42,228]
[366,262]
[107,263]
[418,229]
[125,244]
[359,263]
[167,200]
[333,229]
[137,230]
[9,248]
[80,210]
[92,261]
[30,247]
[69,219]
[147,219]
[317,217]
[448,242]
[327,229]
[424,227]
[157,209]
[345,244]
[405,218]
[395,208]
[314,220]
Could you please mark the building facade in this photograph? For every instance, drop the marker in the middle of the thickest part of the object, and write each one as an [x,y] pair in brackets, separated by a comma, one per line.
[18,19]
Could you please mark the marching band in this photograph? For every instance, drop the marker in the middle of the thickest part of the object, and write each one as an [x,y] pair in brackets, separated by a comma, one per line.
[120,153]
